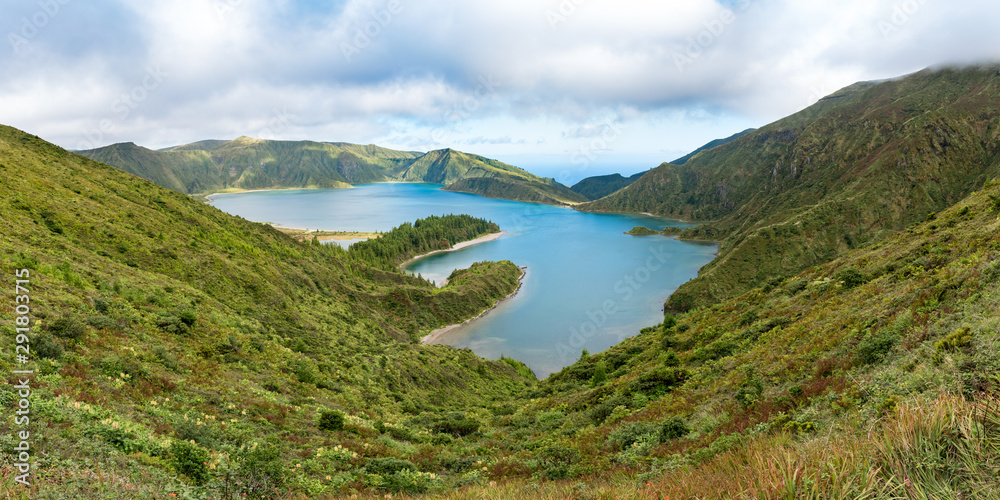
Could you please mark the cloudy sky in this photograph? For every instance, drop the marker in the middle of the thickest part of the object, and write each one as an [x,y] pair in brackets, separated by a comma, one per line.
[565,88]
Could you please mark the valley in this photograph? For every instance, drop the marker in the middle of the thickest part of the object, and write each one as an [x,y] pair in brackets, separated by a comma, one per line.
[841,341]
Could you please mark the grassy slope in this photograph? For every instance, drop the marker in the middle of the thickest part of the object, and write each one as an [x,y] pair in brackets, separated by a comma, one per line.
[513,189]
[873,376]
[167,311]
[718,142]
[857,166]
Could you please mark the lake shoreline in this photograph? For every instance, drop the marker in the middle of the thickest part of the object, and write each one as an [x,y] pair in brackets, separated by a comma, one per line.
[435,337]
[458,246]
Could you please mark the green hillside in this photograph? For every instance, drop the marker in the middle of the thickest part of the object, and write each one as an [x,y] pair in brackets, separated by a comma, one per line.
[718,142]
[859,165]
[873,376]
[597,187]
[167,333]
[242,164]
[549,192]
[185,353]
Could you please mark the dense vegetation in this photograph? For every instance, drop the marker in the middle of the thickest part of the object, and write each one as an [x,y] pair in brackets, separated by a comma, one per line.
[718,142]
[856,167]
[873,376]
[599,186]
[178,345]
[215,166]
[423,236]
[186,353]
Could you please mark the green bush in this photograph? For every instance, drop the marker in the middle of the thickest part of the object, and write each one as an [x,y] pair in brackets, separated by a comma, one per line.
[660,380]
[387,466]
[456,424]
[101,322]
[187,317]
[67,327]
[749,392]
[797,286]
[874,348]
[46,347]
[957,339]
[304,373]
[600,373]
[673,428]
[330,420]
[557,455]
[669,321]
[260,473]
[173,324]
[851,277]
[632,432]
[189,460]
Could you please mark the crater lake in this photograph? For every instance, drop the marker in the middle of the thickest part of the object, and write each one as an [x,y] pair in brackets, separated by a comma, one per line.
[587,286]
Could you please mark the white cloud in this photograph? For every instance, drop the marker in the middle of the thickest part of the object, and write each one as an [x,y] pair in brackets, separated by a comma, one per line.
[416,77]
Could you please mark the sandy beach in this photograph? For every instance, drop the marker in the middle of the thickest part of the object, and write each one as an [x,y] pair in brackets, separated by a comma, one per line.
[435,336]
[457,246]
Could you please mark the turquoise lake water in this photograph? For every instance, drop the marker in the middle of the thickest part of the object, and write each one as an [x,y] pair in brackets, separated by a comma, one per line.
[588,285]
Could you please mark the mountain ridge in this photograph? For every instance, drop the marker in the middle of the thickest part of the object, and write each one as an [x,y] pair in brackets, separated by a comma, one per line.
[872,159]
[247,163]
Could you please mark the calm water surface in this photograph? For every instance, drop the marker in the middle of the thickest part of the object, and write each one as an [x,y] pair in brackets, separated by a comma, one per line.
[588,285]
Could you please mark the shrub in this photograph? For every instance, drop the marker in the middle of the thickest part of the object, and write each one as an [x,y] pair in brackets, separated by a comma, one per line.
[442,439]
[600,373]
[67,327]
[602,411]
[632,432]
[661,380]
[189,460]
[797,286]
[304,373]
[715,350]
[874,348]
[411,482]
[749,392]
[46,347]
[669,321]
[173,324]
[850,277]
[557,455]
[260,472]
[456,424]
[187,317]
[387,466]
[330,420]
[101,322]
[957,339]
[671,359]
[673,428]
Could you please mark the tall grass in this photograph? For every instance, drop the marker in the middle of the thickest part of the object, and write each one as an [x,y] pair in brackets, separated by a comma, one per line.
[927,449]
